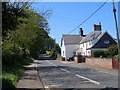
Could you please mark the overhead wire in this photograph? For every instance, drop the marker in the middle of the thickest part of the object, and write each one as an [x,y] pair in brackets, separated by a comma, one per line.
[88,17]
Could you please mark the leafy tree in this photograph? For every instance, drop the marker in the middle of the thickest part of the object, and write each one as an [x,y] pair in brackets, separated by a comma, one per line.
[25,34]
[113,50]
[55,51]
[50,44]
[57,48]
[10,14]
[28,38]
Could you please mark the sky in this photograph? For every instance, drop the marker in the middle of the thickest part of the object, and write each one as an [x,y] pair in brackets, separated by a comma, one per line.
[68,15]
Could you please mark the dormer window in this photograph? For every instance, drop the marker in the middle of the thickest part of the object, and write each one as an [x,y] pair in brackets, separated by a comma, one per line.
[106,42]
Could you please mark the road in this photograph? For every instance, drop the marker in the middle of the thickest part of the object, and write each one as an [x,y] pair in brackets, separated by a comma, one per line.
[57,74]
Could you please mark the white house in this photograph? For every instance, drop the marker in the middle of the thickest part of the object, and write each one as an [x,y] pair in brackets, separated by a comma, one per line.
[95,40]
[70,43]
[84,44]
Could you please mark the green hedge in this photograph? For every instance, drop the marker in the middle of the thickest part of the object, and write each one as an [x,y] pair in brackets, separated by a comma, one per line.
[99,53]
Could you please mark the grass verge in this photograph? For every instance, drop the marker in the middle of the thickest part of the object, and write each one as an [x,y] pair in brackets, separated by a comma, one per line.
[11,73]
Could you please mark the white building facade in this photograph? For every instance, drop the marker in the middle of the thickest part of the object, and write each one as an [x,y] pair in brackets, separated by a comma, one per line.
[84,44]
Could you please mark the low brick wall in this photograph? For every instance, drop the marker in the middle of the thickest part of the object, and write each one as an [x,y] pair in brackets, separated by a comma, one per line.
[79,59]
[60,59]
[101,62]
[76,59]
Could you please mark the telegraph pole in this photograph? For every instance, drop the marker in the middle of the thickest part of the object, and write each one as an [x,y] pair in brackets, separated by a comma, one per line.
[117,32]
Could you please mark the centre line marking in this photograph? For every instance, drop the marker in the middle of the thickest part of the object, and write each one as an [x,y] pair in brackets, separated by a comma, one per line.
[88,79]
[54,65]
[65,70]
[50,63]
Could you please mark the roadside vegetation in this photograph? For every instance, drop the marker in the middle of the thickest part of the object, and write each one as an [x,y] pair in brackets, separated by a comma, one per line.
[25,35]
[111,52]
[55,52]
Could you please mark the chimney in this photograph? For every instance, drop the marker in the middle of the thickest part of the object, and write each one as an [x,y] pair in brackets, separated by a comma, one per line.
[81,32]
[97,27]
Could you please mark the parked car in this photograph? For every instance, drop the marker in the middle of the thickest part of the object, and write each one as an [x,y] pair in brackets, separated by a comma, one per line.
[71,58]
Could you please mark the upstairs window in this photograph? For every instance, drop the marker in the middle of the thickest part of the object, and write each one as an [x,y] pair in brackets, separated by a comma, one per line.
[106,42]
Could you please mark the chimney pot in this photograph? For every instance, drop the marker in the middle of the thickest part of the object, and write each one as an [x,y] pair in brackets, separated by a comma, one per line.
[97,27]
[81,32]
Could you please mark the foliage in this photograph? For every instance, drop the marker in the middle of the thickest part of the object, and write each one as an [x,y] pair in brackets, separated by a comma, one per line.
[50,44]
[99,53]
[55,51]
[109,53]
[25,35]
[10,14]
[117,56]
[27,40]
[11,52]
[10,74]
[53,54]
[113,50]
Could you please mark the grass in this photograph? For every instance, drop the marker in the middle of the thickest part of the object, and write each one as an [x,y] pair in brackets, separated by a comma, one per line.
[117,56]
[11,74]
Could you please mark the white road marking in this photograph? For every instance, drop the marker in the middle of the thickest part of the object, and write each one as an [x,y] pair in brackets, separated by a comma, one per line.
[65,70]
[88,79]
[55,65]
[46,87]
[95,82]
[49,62]
[52,64]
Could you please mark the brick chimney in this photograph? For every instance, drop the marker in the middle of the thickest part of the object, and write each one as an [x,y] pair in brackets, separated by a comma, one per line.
[81,32]
[97,27]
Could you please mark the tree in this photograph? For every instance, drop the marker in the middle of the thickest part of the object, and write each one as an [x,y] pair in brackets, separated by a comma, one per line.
[10,14]
[113,50]
[55,51]
[28,37]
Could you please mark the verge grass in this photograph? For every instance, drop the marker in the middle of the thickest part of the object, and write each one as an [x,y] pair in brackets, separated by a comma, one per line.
[11,73]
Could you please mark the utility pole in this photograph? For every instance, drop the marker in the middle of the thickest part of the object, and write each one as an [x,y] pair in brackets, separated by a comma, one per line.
[117,32]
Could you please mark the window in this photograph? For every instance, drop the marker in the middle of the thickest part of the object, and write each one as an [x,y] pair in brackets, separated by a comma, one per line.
[106,42]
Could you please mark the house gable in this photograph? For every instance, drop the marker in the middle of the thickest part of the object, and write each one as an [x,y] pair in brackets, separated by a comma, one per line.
[105,41]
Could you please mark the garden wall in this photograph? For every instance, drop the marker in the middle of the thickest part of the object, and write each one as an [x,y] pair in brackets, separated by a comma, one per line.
[79,59]
[60,59]
[102,62]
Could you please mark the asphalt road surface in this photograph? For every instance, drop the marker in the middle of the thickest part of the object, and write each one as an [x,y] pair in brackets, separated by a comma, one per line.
[56,74]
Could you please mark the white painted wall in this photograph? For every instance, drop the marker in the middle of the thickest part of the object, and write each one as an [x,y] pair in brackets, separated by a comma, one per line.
[84,47]
[89,52]
[63,49]
[67,50]
[70,49]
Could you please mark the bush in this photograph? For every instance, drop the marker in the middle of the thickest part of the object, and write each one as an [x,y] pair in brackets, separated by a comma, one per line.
[55,51]
[113,50]
[11,53]
[99,53]
[53,54]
